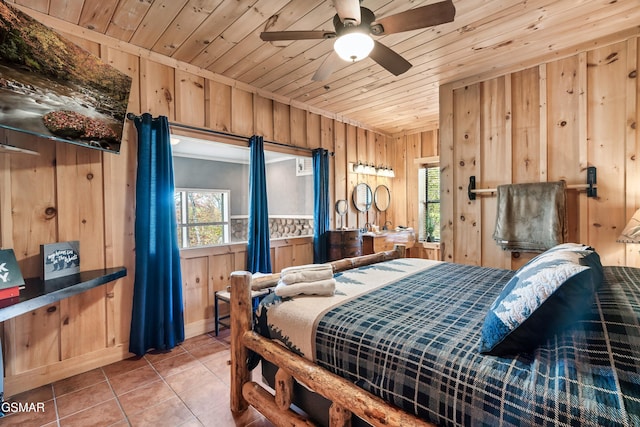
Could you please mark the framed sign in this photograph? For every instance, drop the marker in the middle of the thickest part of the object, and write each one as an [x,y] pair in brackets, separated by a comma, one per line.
[60,259]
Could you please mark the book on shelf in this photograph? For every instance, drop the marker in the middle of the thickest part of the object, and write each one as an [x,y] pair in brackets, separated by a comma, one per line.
[9,301]
[11,279]
[9,292]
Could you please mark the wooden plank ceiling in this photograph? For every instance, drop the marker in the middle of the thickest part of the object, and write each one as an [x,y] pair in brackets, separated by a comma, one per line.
[486,38]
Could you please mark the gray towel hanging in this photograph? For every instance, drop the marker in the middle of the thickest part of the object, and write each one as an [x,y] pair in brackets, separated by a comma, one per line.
[531,217]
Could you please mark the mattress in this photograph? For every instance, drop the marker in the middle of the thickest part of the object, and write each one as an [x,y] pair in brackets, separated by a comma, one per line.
[407,330]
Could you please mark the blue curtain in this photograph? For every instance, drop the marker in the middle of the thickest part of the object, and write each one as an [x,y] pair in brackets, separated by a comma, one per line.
[157,319]
[320,204]
[258,247]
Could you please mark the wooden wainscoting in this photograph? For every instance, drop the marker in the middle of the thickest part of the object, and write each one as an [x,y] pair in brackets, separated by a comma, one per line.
[207,270]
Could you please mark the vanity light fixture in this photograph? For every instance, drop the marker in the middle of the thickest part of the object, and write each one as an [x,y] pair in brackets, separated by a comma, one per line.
[386,172]
[368,169]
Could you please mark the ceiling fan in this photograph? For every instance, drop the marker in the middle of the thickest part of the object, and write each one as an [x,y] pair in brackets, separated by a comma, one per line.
[354,26]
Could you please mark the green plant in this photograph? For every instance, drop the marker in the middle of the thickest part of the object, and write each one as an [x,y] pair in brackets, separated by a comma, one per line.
[429,227]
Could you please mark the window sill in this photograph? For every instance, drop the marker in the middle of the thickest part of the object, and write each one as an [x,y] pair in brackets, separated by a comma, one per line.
[430,245]
[228,248]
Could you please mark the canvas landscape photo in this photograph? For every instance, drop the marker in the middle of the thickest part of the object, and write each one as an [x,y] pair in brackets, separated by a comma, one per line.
[51,87]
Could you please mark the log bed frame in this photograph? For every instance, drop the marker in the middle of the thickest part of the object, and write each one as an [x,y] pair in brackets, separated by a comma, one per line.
[346,397]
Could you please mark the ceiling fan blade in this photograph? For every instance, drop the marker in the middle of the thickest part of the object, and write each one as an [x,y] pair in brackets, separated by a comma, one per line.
[328,66]
[389,59]
[348,10]
[270,36]
[414,19]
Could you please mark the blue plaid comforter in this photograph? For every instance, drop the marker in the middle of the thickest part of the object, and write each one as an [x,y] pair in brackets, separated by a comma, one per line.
[414,343]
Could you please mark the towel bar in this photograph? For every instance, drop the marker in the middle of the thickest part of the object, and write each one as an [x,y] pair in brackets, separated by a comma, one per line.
[590,186]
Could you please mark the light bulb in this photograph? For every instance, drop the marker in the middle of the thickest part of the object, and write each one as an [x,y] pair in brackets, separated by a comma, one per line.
[353,46]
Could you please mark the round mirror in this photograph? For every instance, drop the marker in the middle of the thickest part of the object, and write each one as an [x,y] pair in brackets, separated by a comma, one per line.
[382,197]
[362,197]
[341,207]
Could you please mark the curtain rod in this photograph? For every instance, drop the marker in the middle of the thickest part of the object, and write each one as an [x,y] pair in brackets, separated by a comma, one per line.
[132,116]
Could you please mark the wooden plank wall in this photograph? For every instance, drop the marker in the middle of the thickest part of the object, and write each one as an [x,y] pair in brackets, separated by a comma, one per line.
[75,193]
[66,193]
[544,123]
[404,155]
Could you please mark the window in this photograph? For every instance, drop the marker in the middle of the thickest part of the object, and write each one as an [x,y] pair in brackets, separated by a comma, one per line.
[200,165]
[429,187]
[203,217]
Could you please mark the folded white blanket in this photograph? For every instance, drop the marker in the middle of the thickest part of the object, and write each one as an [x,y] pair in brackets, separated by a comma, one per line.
[306,276]
[307,267]
[320,287]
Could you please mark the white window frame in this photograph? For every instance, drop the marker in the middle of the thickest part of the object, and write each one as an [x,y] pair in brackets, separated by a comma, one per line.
[183,221]
[426,163]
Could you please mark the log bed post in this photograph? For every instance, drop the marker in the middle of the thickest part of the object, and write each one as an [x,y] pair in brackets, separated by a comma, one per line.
[240,323]
[284,389]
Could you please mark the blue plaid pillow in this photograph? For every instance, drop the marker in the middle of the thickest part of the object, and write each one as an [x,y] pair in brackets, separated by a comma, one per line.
[545,295]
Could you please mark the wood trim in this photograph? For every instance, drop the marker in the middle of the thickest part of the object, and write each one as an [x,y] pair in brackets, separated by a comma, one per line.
[632,198]
[6,222]
[583,141]
[431,160]
[233,248]
[430,245]
[200,327]
[544,164]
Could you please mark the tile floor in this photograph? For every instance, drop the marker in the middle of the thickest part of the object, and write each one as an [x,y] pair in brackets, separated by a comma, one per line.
[188,386]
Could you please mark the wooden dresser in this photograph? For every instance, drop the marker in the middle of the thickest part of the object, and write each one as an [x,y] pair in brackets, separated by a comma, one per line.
[344,244]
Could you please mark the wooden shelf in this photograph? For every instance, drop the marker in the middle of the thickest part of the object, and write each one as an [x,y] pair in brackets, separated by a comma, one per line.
[38,293]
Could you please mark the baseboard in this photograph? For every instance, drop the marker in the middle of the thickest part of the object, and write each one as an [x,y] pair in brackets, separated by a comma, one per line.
[43,375]
[199,327]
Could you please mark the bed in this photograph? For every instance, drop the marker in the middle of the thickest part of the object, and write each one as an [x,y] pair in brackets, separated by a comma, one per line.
[408,342]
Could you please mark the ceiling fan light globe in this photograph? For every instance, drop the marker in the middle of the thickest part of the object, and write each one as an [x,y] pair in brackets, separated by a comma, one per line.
[353,46]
